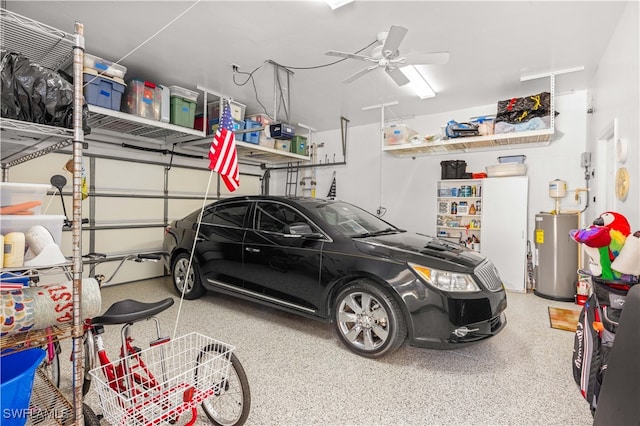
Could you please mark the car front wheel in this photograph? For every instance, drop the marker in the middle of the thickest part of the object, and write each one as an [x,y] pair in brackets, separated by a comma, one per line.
[369,320]
[186,279]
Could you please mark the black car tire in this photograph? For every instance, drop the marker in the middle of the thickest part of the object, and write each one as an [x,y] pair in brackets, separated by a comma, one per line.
[369,320]
[191,279]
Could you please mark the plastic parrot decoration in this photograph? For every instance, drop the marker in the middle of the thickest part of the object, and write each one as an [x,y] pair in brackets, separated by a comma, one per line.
[604,240]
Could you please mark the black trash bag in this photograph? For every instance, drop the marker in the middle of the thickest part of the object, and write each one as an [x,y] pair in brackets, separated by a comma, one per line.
[32,93]
[520,110]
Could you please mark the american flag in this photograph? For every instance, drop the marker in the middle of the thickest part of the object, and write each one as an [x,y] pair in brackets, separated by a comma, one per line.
[223,155]
[332,190]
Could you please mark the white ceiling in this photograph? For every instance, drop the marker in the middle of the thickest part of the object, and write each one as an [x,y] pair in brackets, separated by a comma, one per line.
[492,44]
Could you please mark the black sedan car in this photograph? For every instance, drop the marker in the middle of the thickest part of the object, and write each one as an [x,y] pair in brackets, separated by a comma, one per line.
[333,261]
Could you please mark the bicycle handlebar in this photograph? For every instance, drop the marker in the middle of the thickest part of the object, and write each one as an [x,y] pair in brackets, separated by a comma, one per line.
[139,258]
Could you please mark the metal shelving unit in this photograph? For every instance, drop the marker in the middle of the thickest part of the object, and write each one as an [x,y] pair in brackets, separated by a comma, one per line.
[529,138]
[473,143]
[117,123]
[248,152]
[50,48]
[22,141]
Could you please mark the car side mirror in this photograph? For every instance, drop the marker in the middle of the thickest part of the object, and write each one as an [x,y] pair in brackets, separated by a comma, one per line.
[299,230]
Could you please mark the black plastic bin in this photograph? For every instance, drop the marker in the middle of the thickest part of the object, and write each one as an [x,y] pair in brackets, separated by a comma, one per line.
[454,169]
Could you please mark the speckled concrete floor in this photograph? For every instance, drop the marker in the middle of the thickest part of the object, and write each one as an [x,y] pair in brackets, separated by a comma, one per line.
[301,374]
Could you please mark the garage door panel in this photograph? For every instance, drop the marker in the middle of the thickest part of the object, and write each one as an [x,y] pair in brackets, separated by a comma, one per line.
[111,210]
[126,177]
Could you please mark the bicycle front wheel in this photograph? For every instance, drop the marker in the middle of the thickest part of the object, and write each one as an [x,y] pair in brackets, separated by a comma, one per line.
[232,401]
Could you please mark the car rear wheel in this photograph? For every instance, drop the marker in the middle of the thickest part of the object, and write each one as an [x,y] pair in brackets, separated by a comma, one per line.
[186,278]
[369,320]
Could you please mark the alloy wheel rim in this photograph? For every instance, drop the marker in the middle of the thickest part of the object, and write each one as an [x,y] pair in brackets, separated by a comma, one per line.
[182,276]
[363,321]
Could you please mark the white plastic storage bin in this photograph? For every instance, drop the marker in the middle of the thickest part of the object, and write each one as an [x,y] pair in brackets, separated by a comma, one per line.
[14,193]
[507,169]
[187,94]
[283,144]
[398,134]
[237,110]
[104,67]
[263,119]
[22,223]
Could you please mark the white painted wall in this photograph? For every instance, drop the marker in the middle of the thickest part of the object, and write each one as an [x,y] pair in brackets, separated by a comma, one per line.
[407,187]
[616,95]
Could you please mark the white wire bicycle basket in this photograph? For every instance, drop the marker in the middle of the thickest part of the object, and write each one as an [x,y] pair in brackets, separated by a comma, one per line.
[184,372]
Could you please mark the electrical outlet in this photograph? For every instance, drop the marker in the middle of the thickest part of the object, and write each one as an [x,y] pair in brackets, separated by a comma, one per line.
[234,67]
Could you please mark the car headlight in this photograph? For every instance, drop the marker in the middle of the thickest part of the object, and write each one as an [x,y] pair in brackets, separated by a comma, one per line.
[445,280]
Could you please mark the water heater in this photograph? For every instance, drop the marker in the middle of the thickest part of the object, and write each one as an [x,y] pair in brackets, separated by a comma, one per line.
[556,256]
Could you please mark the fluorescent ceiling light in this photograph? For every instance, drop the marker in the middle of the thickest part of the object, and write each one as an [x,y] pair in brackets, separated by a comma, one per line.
[334,4]
[417,82]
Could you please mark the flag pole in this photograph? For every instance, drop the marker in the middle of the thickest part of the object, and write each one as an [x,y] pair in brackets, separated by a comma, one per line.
[193,250]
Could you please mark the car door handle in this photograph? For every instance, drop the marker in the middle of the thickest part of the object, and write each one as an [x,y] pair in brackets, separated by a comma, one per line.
[252,250]
[199,239]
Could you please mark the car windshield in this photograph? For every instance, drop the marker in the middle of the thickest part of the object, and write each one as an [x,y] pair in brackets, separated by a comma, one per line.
[352,221]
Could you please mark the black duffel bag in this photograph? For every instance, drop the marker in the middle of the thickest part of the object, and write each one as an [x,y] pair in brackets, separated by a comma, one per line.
[520,110]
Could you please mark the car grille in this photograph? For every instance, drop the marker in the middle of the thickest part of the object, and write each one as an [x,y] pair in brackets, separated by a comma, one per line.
[488,275]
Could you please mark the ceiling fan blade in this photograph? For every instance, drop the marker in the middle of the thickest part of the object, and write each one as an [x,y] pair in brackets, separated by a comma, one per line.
[438,58]
[394,38]
[346,55]
[359,74]
[397,76]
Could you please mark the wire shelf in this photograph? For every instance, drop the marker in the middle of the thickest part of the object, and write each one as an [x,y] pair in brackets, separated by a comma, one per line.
[35,338]
[41,43]
[184,373]
[473,143]
[48,406]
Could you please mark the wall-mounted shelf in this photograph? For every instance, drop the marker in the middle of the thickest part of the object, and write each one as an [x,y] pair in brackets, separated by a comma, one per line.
[265,154]
[117,123]
[474,143]
[252,153]
[22,141]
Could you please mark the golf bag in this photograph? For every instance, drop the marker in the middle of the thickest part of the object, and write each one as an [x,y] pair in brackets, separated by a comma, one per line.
[595,334]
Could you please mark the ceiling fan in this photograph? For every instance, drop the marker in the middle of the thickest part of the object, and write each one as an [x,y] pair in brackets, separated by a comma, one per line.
[387,55]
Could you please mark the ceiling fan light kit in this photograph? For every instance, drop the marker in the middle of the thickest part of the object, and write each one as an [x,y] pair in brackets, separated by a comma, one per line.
[417,82]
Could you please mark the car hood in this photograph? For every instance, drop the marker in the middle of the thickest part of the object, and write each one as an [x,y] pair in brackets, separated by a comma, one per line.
[406,245]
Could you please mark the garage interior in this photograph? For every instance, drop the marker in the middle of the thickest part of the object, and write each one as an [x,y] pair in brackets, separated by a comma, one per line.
[271,58]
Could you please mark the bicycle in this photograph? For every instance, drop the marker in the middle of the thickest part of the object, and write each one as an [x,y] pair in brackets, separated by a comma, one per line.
[158,384]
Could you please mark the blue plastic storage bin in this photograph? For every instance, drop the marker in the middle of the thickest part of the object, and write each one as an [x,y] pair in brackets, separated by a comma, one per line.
[251,137]
[16,381]
[103,92]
